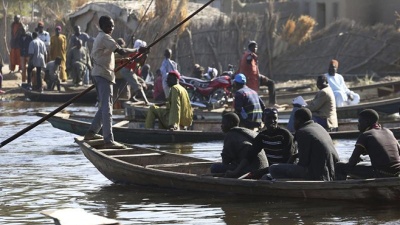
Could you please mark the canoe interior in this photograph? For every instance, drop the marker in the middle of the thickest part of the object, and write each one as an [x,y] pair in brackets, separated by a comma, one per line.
[157,160]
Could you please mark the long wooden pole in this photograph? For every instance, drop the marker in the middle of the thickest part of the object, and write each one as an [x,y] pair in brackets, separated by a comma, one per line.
[30,127]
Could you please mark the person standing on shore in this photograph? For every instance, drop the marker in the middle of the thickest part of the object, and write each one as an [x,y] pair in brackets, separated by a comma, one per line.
[17,29]
[58,47]
[167,66]
[24,42]
[103,76]
[44,36]
[37,59]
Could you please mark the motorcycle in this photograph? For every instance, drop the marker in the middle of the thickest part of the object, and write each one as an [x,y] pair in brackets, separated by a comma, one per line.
[210,94]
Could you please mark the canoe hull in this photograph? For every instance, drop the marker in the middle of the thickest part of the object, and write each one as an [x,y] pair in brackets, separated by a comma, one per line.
[120,170]
[366,92]
[138,135]
[53,96]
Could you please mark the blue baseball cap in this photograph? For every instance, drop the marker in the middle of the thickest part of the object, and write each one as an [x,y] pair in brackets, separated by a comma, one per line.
[240,78]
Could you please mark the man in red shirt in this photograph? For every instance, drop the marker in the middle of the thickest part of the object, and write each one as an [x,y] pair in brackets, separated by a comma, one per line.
[249,67]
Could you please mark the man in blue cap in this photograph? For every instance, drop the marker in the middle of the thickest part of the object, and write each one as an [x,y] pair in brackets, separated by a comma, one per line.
[248,105]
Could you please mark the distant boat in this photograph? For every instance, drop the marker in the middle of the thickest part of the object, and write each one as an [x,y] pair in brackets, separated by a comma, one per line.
[123,133]
[152,168]
[366,92]
[55,96]
[384,106]
[133,132]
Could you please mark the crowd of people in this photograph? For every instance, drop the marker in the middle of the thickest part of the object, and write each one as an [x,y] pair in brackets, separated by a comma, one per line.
[32,51]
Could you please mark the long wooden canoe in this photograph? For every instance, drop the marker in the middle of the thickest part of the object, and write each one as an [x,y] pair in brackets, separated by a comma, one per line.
[153,168]
[365,91]
[55,96]
[132,132]
[383,106]
[124,134]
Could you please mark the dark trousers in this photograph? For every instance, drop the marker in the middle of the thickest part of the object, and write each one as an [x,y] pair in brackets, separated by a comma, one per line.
[360,171]
[38,76]
[271,91]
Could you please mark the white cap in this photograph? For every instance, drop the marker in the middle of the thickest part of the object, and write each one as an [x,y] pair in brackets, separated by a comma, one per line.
[299,101]
[212,70]
[139,43]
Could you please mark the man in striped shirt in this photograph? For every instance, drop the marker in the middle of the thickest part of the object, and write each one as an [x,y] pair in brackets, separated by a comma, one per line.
[277,142]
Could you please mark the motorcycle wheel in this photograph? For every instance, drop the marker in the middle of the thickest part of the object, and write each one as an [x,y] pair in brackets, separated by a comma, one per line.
[218,98]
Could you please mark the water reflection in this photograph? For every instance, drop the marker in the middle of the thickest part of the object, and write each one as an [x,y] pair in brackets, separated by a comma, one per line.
[140,205]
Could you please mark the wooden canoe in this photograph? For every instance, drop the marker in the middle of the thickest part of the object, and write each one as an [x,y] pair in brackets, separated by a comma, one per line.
[365,91]
[383,106]
[55,96]
[123,133]
[132,132]
[153,168]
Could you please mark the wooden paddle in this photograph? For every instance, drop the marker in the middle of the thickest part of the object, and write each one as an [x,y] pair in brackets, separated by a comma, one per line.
[30,127]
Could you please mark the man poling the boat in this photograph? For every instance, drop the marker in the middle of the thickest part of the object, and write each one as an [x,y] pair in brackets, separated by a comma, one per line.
[23,131]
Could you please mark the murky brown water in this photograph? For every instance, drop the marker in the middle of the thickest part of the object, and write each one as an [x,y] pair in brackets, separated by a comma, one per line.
[44,169]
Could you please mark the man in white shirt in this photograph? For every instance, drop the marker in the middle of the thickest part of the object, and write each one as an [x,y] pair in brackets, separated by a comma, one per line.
[43,35]
[343,95]
[167,66]
[37,55]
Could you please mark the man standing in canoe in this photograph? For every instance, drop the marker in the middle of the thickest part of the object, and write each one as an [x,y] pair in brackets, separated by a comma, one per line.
[377,142]
[178,114]
[58,48]
[248,66]
[103,75]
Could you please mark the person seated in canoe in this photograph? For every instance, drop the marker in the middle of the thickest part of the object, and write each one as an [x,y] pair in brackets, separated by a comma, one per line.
[317,155]
[377,142]
[237,143]
[178,114]
[323,106]
[343,95]
[247,104]
[275,142]
[52,74]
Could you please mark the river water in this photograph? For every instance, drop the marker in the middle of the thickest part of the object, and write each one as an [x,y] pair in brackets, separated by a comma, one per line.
[44,169]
